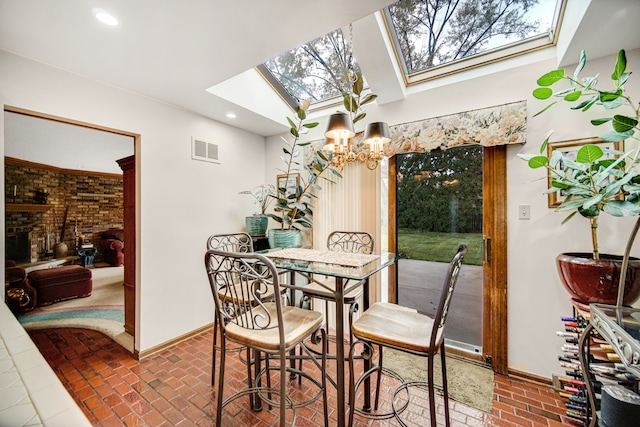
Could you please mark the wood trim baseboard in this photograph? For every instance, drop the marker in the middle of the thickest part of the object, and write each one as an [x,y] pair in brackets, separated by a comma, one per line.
[139,355]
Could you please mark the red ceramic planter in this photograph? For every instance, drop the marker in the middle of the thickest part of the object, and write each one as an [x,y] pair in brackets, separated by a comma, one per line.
[596,281]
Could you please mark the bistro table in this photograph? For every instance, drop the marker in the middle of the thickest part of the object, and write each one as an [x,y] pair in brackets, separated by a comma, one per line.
[349,271]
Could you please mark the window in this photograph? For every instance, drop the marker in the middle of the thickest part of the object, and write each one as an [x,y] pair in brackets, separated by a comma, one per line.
[317,70]
[433,33]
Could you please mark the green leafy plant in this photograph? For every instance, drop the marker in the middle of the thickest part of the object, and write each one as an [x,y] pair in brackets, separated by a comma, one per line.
[293,208]
[355,99]
[263,194]
[597,180]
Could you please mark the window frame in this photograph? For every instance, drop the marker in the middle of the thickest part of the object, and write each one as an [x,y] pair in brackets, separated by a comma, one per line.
[491,56]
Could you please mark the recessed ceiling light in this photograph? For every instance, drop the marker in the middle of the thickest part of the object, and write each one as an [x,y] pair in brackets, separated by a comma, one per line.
[106,17]
[231,115]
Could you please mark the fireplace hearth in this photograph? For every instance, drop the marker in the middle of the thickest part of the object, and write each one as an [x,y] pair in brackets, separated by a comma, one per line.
[18,247]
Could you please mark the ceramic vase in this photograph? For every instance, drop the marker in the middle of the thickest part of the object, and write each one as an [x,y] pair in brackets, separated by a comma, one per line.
[285,238]
[257,224]
[60,250]
[591,280]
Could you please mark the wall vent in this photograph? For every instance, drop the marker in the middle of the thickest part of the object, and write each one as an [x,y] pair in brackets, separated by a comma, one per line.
[203,150]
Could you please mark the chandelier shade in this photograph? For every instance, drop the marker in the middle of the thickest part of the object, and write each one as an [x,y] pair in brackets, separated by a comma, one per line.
[340,127]
[376,135]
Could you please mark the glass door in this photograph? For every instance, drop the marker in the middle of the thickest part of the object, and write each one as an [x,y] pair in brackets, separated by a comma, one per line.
[439,205]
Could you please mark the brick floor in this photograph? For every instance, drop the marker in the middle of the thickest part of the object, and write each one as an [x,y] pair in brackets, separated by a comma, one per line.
[172,388]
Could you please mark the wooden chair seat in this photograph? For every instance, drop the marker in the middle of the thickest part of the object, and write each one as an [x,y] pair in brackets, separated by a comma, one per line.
[298,323]
[395,326]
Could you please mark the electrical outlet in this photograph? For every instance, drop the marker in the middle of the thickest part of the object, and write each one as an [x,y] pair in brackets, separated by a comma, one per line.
[524,212]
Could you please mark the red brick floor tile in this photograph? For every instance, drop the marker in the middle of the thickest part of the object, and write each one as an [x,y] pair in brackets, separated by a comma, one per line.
[173,387]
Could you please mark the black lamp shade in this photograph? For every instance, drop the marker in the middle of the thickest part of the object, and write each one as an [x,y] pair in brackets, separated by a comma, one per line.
[377,131]
[340,127]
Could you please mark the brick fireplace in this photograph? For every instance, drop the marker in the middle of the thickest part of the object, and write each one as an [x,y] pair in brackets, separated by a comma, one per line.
[92,202]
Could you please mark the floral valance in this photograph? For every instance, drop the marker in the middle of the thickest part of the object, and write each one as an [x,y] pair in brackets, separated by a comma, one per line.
[501,125]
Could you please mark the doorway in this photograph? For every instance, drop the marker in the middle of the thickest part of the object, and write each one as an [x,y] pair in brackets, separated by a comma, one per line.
[72,148]
[439,207]
[492,249]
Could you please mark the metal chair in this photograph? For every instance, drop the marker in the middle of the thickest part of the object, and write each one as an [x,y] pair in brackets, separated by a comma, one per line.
[229,242]
[239,283]
[341,241]
[404,329]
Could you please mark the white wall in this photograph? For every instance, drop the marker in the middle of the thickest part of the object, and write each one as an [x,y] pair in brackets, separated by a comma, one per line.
[180,201]
[536,297]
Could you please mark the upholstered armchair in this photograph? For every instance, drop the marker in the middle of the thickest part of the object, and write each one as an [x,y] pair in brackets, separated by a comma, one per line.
[20,296]
[112,244]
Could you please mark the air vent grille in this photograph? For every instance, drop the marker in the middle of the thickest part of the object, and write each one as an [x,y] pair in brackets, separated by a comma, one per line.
[204,151]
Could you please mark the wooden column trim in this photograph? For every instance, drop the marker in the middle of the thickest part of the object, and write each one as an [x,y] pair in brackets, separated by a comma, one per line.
[495,338]
[391,231]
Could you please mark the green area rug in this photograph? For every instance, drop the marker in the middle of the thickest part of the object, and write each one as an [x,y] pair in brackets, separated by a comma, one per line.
[469,383]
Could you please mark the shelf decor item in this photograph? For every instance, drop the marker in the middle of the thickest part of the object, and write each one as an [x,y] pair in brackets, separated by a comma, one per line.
[257,223]
[593,179]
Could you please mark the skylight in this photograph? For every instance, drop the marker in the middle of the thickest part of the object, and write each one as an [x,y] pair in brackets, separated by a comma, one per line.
[432,33]
[432,38]
[315,70]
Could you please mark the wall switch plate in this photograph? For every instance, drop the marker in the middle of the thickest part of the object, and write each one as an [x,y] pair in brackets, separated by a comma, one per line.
[524,212]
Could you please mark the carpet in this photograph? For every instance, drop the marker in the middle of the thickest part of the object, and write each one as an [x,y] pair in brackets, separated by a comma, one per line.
[468,382]
[102,311]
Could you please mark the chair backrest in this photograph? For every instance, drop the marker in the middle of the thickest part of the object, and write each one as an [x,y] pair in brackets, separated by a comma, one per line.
[243,285]
[350,241]
[450,280]
[231,242]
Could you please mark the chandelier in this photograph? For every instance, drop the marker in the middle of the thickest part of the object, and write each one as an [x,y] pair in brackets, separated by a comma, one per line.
[340,142]
[340,130]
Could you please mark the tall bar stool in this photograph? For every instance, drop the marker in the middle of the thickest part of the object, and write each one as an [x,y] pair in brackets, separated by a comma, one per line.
[342,241]
[229,242]
[239,283]
[406,330]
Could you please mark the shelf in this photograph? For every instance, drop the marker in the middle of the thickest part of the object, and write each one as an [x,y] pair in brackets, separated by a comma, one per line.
[26,207]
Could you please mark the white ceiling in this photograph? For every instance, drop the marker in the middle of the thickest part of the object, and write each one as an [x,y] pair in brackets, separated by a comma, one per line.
[173,51]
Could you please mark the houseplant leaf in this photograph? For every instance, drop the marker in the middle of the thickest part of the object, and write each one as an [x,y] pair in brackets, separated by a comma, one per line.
[550,78]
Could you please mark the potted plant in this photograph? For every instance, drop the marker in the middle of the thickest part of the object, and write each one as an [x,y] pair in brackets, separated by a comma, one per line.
[597,180]
[262,196]
[293,208]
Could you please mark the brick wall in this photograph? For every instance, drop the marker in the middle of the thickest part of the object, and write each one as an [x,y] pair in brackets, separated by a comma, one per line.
[92,201]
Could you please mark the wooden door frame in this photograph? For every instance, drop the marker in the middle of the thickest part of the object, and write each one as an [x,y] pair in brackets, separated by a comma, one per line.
[130,297]
[494,330]
[494,334]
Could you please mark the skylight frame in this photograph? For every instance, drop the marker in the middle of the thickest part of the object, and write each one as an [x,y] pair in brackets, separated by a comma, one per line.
[490,56]
[324,103]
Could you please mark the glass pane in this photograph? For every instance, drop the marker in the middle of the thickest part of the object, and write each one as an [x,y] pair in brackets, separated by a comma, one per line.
[439,207]
[316,70]
[432,33]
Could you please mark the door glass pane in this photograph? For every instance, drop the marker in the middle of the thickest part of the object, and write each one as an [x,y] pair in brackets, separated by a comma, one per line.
[439,207]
